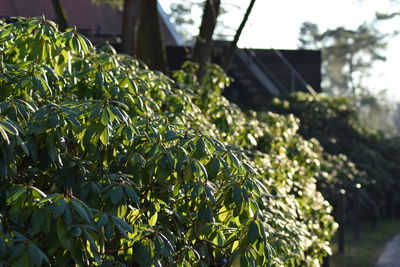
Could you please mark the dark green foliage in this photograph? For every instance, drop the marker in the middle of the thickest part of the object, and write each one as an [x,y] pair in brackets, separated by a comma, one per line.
[105,162]
[373,157]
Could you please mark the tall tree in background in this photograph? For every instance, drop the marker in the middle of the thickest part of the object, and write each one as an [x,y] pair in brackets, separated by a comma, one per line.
[181,16]
[347,59]
[202,48]
[182,12]
[150,47]
[347,55]
[130,25]
[378,113]
[232,47]
[131,14]
[141,32]
[61,15]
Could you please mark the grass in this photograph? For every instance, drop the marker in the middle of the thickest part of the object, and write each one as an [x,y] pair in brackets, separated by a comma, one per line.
[365,251]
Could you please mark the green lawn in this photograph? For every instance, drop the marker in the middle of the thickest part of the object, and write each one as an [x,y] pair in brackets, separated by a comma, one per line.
[365,251]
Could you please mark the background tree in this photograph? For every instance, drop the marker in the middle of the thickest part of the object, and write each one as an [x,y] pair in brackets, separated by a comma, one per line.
[396,117]
[347,55]
[130,25]
[232,48]
[142,40]
[202,48]
[150,46]
[181,15]
[61,15]
[347,59]
[378,113]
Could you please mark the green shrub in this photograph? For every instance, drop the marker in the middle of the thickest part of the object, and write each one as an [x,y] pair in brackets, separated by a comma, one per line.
[353,154]
[105,162]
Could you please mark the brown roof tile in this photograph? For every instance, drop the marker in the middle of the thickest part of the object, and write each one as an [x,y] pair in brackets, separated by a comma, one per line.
[89,18]
[83,14]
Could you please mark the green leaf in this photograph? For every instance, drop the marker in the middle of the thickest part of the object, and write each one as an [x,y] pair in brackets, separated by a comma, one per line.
[200,151]
[143,254]
[132,87]
[99,79]
[9,127]
[206,215]
[6,31]
[105,117]
[75,44]
[23,145]
[210,194]
[160,246]
[122,223]
[38,85]
[15,195]
[83,44]
[122,226]
[171,135]
[95,111]
[237,194]
[62,234]
[52,150]
[3,247]
[215,166]
[38,221]
[17,251]
[35,254]
[104,136]
[80,211]
[188,174]
[253,232]
[235,161]
[203,169]
[58,208]
[3,170]
[67,216]
[121,116]
[131,194]
[254,207]
[197,190]
[153,218]
[75,231]
[93,246]
[4,134]
[168,243]
[89,133]
[103,219]
[77,255]
[117,194]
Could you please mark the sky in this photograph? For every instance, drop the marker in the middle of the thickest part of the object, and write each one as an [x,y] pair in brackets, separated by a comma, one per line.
[276,24]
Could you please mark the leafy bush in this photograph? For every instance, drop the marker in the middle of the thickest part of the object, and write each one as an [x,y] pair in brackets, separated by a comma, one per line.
[373,157]
[105,162]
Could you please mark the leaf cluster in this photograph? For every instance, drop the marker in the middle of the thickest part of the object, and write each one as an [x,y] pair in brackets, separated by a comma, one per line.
[353,155]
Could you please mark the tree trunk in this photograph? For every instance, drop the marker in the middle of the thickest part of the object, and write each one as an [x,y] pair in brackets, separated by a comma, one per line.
[232,48]
[202,48]
[130,26]
[60,14]
[151,48]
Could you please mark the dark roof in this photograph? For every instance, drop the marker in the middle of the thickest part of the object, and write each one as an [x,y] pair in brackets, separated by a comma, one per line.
[89,18]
